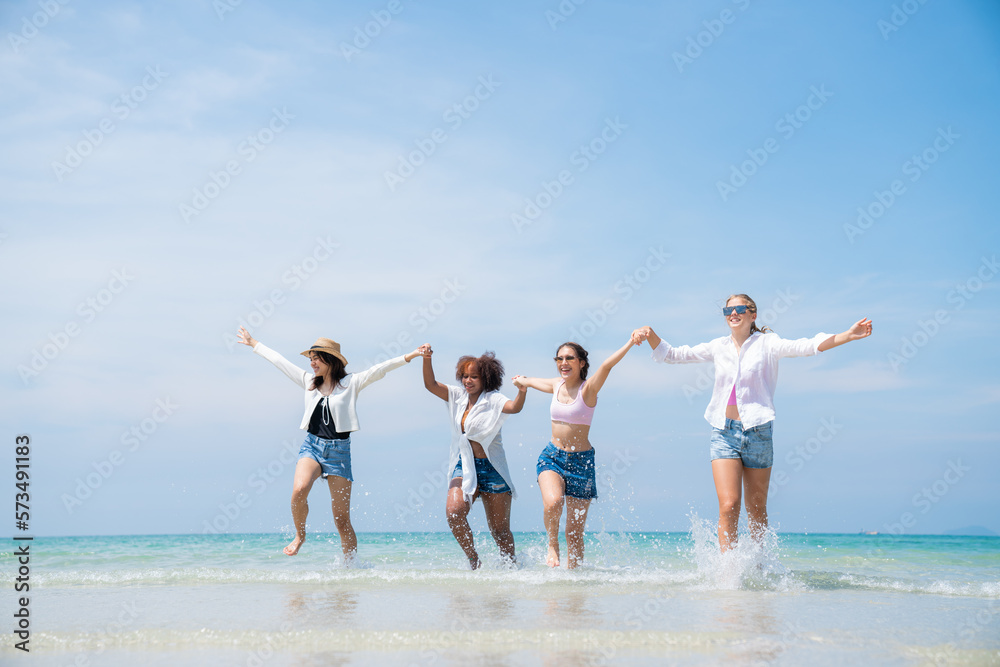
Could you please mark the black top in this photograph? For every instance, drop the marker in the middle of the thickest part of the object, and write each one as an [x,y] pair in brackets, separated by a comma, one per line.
[328,430]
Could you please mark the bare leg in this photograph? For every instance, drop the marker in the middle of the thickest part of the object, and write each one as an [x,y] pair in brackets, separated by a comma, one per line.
[728,474]
[553,490]
[307,471]
[497,506]
[340,500]
[576,519]
[457,511]
[755,483]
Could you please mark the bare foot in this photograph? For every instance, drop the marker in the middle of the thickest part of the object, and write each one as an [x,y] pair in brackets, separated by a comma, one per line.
[474,563]
[552,560]
[294,546]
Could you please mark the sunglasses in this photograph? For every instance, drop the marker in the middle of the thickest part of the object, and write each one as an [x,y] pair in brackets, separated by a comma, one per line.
[739,310]
[561,359]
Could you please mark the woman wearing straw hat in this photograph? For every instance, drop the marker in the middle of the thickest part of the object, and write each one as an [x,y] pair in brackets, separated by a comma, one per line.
[330,417]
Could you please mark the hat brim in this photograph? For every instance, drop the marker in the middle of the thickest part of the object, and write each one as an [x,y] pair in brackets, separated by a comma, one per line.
[328,350]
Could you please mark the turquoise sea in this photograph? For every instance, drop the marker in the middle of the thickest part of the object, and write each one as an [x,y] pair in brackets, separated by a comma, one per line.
[640,599]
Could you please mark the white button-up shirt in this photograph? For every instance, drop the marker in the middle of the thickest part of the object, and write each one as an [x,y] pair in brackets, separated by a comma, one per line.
[343,400]
[482,425]
[753,369]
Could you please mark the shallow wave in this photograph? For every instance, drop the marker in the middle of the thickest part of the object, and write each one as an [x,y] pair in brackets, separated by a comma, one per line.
[505,640]
[726,574]
[987,590]
[584,577]
[616,562]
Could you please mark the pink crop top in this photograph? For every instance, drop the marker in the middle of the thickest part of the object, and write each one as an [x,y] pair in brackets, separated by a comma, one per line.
[732,395]
[576,412]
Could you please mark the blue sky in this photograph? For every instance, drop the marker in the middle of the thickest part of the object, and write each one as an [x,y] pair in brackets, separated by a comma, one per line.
[499,177]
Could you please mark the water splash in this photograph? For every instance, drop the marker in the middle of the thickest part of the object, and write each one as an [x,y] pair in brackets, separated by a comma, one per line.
[753,564]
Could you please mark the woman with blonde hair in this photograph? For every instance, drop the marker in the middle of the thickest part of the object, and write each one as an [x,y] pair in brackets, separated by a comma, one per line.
[741,410]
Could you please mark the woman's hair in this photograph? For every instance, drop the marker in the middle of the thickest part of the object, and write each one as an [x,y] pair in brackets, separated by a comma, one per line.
[581,353]
[336,369]
[490,370]
[753,308]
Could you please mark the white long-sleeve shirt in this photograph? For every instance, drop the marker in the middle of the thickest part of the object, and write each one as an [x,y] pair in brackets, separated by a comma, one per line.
[344,397]
[482,425]
[753,369]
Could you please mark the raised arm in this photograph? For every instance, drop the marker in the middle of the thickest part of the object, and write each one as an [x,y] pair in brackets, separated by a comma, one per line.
[291,371]
[431,384]
[596,381]
[646,334]
[513,407]
[861,329]
[246,338]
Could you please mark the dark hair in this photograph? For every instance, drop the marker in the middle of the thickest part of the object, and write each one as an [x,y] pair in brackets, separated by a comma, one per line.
[490,370]
[752,308]
[337,371]
[580,352]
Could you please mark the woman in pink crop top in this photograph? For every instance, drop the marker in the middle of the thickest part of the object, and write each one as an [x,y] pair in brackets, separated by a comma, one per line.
[566,471]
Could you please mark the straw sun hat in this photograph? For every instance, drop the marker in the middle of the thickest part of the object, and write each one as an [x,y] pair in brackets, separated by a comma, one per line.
[326,345]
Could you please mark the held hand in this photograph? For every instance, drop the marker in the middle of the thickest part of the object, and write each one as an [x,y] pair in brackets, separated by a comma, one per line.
[861,329]
[413,355]
[640,335]
[245,338]
[425,351]
[519,382]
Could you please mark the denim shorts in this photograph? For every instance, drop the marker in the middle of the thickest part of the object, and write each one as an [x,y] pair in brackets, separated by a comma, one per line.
[576,468]
[488,480]
[752,446]
[333,456]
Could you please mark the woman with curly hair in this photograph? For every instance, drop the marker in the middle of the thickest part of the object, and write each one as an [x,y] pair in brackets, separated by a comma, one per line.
[741,410]
[566,471]
[479,464]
